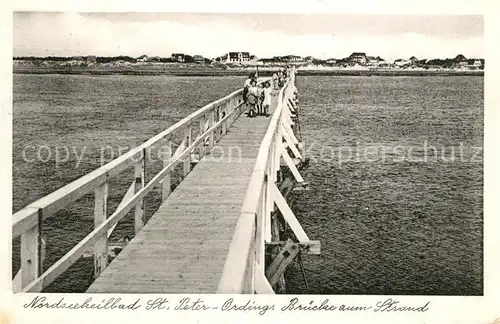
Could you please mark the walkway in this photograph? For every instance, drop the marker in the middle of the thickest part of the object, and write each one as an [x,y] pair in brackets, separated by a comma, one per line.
[184,245]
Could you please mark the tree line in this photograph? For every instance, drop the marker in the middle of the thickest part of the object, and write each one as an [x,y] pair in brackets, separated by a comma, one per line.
[104,59]
[98,59]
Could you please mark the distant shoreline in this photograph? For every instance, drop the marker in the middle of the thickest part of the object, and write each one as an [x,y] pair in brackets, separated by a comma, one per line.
[204,71]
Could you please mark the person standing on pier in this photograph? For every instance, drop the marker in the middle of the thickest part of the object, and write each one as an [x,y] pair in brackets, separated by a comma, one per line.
[247,85]
[260,95]
[275,81]
[281,79]
[267,99]
[252,98]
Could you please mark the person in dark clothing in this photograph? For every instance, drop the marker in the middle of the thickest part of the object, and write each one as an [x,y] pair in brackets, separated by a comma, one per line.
[252,100]
[248,82]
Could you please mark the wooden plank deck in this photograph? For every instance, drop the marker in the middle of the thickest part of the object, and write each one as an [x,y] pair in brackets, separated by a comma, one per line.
[183,247]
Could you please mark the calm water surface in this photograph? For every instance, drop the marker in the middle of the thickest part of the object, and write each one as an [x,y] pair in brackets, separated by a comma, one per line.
[388,224]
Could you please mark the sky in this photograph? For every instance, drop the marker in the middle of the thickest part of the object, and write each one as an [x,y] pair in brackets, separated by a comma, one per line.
[264,35]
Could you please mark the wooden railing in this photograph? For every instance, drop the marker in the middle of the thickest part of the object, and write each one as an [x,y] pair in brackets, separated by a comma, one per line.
[244,269]
[213,121]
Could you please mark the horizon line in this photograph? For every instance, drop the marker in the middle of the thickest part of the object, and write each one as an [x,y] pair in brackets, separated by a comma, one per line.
[259,57]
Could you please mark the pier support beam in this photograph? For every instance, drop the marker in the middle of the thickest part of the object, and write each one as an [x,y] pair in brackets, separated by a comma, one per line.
[308,247]
[291,165]
[278,266]
[288,215]
[290,143]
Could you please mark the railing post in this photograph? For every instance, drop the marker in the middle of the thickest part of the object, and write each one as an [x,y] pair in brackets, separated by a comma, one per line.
[276,159]
[260,246]
[269,206]
[187,158]
[211,119]
[249,277]
[237,107]
[252,261]
[230,109]
[201,147]
[217,119]
[139,172]
[100,214]
[223,114]
[167,157]
[31,266]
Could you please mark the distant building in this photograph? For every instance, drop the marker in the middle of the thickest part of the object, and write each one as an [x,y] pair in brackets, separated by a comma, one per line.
[179,57]
[413,60]
[358,57]
[237,57]
[188,59]
[460,58]
[198,59]
[143,58]
[222,58]
[478,62]
[399,62]
[374,61]
[268,61]
[92,59]
[475,63]
[331,61]
[281,60]
[371,60]
[309,59]
[292,58]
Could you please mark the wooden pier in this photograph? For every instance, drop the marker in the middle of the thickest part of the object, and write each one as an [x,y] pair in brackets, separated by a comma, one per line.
[220,231]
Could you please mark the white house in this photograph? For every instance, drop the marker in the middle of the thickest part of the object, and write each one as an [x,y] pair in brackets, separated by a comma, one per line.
[143,58]
[237,57]
[357,57]
[292,58]
[179,57]
[401,62]
[374,61]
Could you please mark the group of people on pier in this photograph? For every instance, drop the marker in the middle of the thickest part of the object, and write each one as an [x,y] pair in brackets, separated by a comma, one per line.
[258,95]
